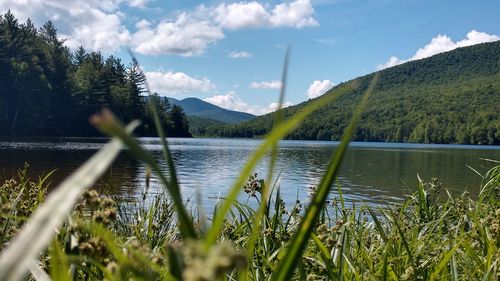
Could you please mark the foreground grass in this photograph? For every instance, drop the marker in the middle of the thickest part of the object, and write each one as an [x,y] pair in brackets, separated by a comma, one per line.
[422,239]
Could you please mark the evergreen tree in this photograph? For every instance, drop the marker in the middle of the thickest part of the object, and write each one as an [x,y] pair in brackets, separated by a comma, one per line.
[9,100]
[180,127]
[61,105]
[47,91]
[79,56]
[137,83]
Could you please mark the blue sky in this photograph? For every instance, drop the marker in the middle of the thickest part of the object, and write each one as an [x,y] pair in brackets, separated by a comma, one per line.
[231,53]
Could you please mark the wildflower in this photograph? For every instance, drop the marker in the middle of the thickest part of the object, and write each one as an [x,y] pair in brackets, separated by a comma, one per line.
[254,185]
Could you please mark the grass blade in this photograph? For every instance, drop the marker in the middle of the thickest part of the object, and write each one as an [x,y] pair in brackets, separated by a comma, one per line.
[59,266]
[300,239]
[50,215]
[453,268]
[38,273]
[378,225]
[172,185]
[327,258]
[273,137]
[266,190]
[185,220]
[385,264]
[443,263]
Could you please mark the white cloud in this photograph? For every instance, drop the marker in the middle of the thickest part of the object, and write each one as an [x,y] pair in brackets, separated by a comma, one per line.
[393,61]
[105,33]
[438,44]
[143,24]
[476,37]
[239,55]
[99,24]
[232,102]
[317,88]
[295,14]
[95,24]
[274,106]
[172,83]
[443,43]
[298,13]
[241,15]
[186,36]
[275,84]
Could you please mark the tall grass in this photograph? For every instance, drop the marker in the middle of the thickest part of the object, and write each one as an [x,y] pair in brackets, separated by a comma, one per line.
[422,239]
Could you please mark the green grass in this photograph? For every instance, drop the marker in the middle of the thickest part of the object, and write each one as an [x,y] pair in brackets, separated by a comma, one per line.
[423,238]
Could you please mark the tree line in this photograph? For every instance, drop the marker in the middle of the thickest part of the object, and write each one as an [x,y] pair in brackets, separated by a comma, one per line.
[48,90]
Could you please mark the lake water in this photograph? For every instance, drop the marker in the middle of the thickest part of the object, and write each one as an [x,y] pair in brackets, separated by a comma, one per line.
[373,173]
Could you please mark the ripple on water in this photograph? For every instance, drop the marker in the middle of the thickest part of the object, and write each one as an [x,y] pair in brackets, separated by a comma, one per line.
[372,173]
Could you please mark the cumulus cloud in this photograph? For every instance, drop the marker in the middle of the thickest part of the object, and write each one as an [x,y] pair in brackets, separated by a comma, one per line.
[274,106]
[106,33]
[99,24]
[95,24]
[231,101]
[443,43]
[172,83]
[185,36]
[298,13]
[393,61]
[241,15]
[239,55]
[193,31]
[294,14]
[317,88]
[274,84]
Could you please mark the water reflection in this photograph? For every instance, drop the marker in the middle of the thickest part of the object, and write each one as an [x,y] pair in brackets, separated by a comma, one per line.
[372,172]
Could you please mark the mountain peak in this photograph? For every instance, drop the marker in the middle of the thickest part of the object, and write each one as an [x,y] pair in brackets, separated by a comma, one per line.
[196,107]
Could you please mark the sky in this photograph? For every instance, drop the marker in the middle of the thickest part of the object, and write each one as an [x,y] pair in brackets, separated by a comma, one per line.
[231,53]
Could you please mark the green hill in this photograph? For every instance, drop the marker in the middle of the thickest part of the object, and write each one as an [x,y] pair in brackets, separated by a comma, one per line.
[452,97]
[203,109]
[199,126]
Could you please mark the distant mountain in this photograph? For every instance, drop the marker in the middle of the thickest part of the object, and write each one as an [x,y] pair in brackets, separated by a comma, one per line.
[202,109]
[453,97]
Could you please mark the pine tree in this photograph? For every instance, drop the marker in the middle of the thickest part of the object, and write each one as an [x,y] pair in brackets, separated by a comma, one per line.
[61,104]
[79,56]
[179,122]
[9,100]
[137,83]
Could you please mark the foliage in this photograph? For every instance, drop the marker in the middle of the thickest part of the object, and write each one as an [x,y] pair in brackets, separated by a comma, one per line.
[19,197]
[452,97]
[202,126]
[48,91]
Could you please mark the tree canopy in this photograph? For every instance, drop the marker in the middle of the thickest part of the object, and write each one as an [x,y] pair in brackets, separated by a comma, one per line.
[46,90]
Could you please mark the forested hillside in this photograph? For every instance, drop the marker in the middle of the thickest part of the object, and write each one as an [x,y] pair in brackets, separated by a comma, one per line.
[45,90]
[452,97]
[199,126]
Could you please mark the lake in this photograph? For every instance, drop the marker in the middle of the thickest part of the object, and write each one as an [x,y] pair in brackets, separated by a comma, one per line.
[372,173]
